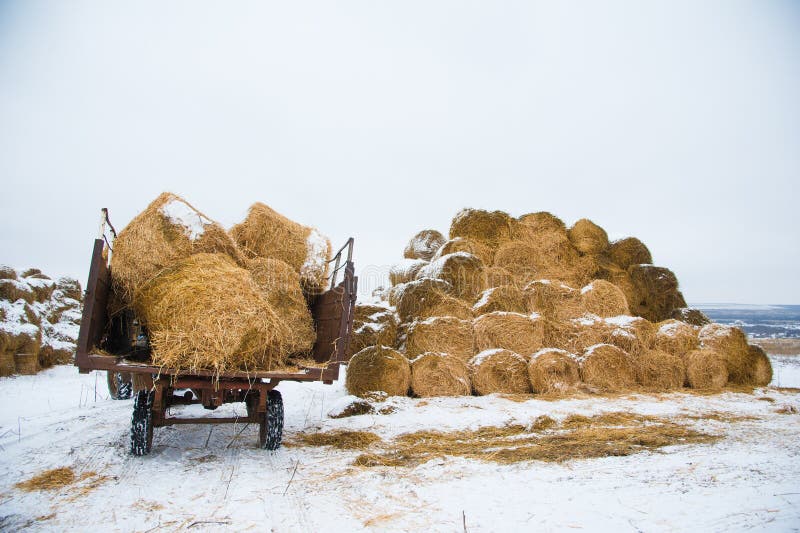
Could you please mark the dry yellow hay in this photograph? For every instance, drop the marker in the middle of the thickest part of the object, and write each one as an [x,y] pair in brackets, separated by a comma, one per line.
[6,272]
[622,279]
[373,329]
[607,367]
[542,254]
[7,364]
[504,298]
[587,237]
[169,230]
[656,293]
[439,374]
[267,233]
[676,337]
[491,228]
[463,271]
[522,334]
[498,370]
[660,370]
[694,317]
[55,478]
[341,439]
[731,343]
[378,369]
[405,271]
[759,369]
[205,312]
[554,300]
[498,276]
[429,297]
[462,244]
[26,363]
[424,245]
[542,221]
[446,334]
[629,251]
[706,369]
[632,334]
[553,371]
[604,299]
[280,285]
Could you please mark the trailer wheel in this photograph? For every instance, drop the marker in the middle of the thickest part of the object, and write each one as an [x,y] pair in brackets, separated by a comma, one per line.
[119,385]
[271,430]
[142,423]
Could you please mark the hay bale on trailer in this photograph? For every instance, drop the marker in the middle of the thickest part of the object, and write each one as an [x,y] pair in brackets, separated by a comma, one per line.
[206,313]
[503,298]
[554,300]
[706,369]
[267,233]
[607,367]
[424,245]
[378,369]
[731,343]
[759,368]
[445,334]
[629,251]
[553,371]
[660,370]
[498,370]
[676,337]
[587,237]
[519,333]
[405,270]
[464,272]
[439,374]
[428,297]
[604,299]
[656,293]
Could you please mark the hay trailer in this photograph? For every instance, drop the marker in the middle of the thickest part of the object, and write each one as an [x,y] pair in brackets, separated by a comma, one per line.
[119,346]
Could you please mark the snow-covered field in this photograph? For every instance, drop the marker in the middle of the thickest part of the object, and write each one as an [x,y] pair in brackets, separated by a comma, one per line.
[201,478]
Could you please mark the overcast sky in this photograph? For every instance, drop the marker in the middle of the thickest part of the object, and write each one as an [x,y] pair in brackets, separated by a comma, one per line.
[675,122]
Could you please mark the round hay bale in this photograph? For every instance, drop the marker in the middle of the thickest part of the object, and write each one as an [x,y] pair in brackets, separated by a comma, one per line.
[522,334]
[676,337]
[280,284]
[706,369]
[656,293]
[405,271]
[470,246]
[491,228]
[378,333]
[463,271]
[541,255]
[393,294]
[501,371]
[660,370]
[559,334]
[439,374]
[378,369]
[588,331]
[26,364]
[267,233]
[169,230]
[630,251]
[12,290]
[731,343]
[759,368]
[446,334]
[604,299]
[368,312]
[206,313]
[428,297]
[424,245]
[505,298]
[553,371]
[694,317]
[587,237]
[7,364]
[542,221]
[607,367]
[498,277]
[623,280]
[554,300]
[634,335]
[6,272]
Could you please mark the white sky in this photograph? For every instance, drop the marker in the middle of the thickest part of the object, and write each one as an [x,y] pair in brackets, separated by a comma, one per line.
[676,122]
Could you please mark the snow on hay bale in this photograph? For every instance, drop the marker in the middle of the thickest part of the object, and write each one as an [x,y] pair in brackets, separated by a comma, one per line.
[267,233]
[522,334]
[632,334]
[629,251]
[439,374]
[424,245]
[461,244]
[504,298]
[378,369]
[676,337]
[604,299]
[759,369]
[446,334]
[167,231]
[554,300]
[12,290]
[428,297]
[499,370]
[463,271]
[660,370]
[607,367]
[551,370]
[705,369]
[205,312]
[587,237]
[656,292]
[6,272]
[731,343]
[405,270]
[695,317]
[491,228]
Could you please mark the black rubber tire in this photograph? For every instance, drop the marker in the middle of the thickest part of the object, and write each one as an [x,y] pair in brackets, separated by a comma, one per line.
[120,386]
[271,432]
[142,423]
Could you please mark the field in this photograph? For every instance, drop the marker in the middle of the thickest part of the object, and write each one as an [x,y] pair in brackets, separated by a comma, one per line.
[650,462]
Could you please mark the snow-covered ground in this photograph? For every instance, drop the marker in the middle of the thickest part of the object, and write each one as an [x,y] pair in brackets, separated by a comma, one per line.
[209,479]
